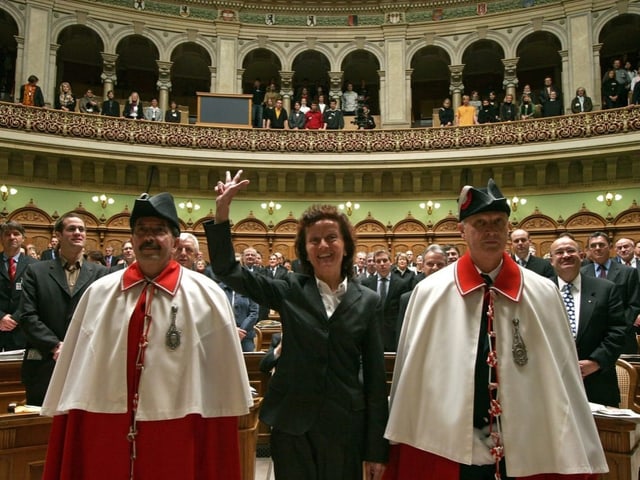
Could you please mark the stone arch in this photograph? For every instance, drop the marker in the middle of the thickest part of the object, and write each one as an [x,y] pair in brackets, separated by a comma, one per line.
[361,68]
[619,37]
[79,59]
[538,58]
[430,81]
[9,28]
[483,69]
[260,63]
[136,67]
[189,73]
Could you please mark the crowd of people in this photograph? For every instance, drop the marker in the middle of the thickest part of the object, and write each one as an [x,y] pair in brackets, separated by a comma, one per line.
[130,345]
[310,109]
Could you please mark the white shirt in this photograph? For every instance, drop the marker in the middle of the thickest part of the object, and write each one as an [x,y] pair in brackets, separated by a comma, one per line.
[331,299]
[575,293]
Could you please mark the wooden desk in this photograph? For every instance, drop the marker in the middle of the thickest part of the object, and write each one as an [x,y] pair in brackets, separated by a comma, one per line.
[620,441]
[11,388]
[23,445]
[268,328]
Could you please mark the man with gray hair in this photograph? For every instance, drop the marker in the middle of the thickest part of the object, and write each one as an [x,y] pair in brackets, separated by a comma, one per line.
[187,250]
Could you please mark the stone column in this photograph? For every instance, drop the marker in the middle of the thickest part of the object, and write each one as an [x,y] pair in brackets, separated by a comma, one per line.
[36,56]
[50,80]
[394,106]
[214,79]
[286,89]
[566,90]
[227,55]
[457,87]
[108,75]
[580,44]
[596,96]
[239,75]
[335,86]
[382,95]
[407,85]
[20,78]
[164,83]
[510,82]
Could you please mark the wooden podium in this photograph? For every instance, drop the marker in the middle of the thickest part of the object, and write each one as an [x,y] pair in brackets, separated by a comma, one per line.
[23,445]
[620,441]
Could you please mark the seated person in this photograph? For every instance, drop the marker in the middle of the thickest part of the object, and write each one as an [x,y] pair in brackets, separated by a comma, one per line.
[153,112]
[173,114]
[89,103]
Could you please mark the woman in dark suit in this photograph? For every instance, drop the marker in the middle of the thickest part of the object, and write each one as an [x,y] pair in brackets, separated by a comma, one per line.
[327,400]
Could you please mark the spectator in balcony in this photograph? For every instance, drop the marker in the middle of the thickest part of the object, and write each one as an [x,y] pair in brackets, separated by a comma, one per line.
[508,111]
[65,100]
[527,91]
[304,106]
[89,103]
[545,93]
[133,108]
[527,108]
[153,113]
[322,106]
[487,113]
[257,101]
[267,112]
[445,114]
[304,95]
[173,114]
[31,93]
[553,106]
[623,80]
[466,113]
[278,118]
[110,107]
[475,101]
[296,119]
[493,101]
[313,118]
[349,101]
[333,119]
[612,91]
[581,103]
[365,120]
[272,94]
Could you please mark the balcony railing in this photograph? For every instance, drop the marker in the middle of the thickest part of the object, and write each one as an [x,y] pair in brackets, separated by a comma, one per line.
[120,130]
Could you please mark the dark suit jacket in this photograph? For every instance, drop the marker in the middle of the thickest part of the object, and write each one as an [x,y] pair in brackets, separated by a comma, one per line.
[397,286]
[9,299]
[128,108]
[46,308]
[111,108]
[281,272]
[539,265]
[628,282]
[318,384]
[47,254]
[269,361]
[602,332]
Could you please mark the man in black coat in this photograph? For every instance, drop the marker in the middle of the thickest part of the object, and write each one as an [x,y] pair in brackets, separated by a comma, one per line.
[600,328]
[626,278]
[390,288]
[12,270]
[520,252]
[50,293]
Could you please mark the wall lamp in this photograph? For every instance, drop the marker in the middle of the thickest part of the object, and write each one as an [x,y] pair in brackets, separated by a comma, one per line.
[515,201]
[429,206]
[189,206]
[103,200]
[271,206]
[607,198]
[6,191]
[349,207]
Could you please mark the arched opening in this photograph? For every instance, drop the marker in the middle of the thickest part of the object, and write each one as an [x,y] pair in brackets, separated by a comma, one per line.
[361,69]
[189,74]
[311,71]
[136,68]
[260,64]
[539,58]
[78,60]
[483,68]
[8,53]
[430,82]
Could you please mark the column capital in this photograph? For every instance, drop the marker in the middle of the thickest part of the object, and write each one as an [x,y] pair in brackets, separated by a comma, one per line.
[164,75]
[335,83]
[456,78]
[510,77]
[286,82]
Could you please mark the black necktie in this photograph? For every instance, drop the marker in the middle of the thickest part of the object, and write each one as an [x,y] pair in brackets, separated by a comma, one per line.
[383,289]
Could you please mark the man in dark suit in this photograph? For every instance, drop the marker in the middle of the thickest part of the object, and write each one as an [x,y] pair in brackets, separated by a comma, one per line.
[626,255]
[624,277]
[51,252]
[599,326]
[12,269]
[275,270]
[520,252]
[390,288]
[50,293]
[110,260]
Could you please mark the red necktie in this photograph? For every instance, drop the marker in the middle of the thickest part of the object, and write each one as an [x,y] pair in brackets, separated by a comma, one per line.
[603,271]
[12,269]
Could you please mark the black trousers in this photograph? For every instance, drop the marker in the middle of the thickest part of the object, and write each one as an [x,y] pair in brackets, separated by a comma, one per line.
[482,472]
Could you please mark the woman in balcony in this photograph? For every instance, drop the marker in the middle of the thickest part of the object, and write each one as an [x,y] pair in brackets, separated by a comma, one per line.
[133,108]
[612,91]
[65,100]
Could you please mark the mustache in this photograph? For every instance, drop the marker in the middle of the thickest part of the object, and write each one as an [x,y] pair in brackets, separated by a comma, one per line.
[149,245]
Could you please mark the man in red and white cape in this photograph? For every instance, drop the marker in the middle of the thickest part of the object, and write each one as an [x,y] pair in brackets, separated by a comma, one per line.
[486,382]
[151,379]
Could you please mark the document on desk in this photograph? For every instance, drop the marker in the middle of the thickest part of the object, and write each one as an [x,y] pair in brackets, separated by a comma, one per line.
[11,355]
[612,412]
